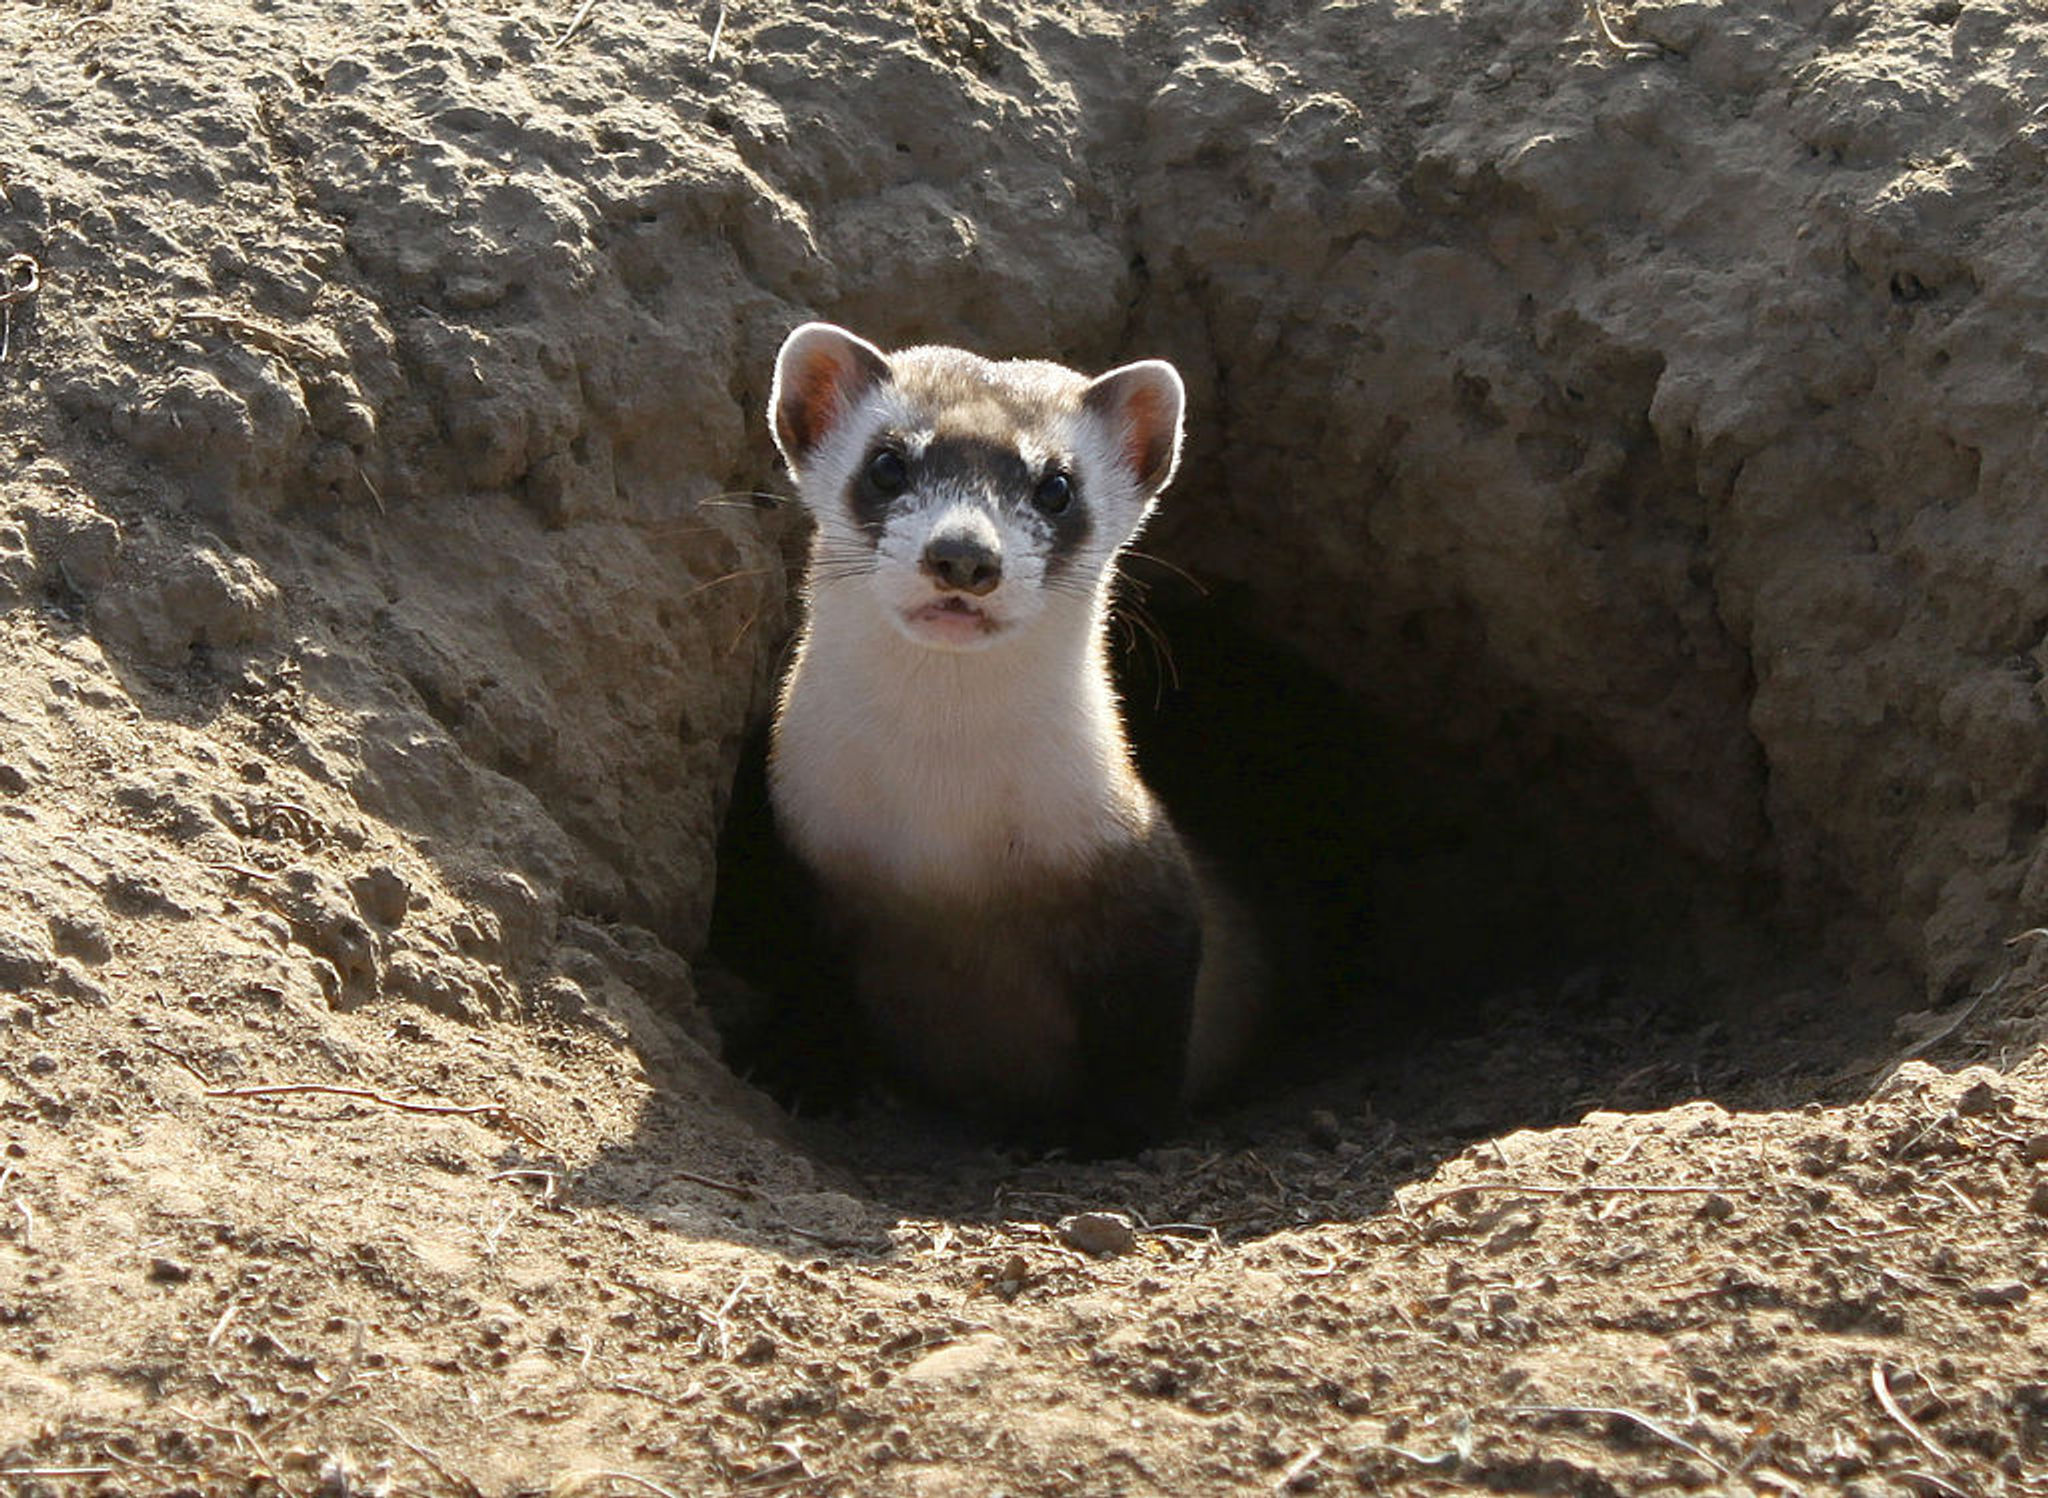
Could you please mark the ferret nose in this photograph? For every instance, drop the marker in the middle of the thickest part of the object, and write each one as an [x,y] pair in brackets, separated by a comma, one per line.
[962,564]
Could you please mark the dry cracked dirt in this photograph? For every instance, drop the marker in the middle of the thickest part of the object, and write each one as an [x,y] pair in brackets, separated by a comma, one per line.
[1605,606]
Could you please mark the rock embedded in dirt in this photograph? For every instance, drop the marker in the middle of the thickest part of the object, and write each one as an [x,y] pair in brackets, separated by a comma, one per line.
[1715,1207]
[382,894]
[83,937]
[180,598]
[970,1361]
[17,564]
[1104,1234]
[1982,1097]
[323,919]
[26,956]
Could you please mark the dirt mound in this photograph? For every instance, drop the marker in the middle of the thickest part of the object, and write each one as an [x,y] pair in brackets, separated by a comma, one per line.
[1612,477]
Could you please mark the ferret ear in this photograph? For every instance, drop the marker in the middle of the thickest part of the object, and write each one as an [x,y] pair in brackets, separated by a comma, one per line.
[820,376]
[1140,406]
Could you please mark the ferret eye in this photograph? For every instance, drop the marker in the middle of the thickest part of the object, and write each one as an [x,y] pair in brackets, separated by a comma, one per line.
[888,472]
[1054,494]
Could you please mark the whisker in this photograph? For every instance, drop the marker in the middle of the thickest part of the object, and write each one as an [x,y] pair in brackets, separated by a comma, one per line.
[710,583]
[747,628]
[1141,628]
[731,499]
[1163,644]
[745,499]
[671,527]
[1175,568]
[847,564]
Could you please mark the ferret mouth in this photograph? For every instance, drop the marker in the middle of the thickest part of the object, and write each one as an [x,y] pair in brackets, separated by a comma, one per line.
[951,619]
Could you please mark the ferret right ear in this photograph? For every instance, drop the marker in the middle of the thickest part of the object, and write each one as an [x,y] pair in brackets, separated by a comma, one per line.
[820,376]
[1141,406]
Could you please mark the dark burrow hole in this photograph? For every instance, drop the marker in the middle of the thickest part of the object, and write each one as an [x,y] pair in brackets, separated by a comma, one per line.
[1471,938]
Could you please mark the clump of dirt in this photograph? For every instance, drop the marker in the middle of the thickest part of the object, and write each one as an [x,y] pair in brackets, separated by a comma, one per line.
[1629,454]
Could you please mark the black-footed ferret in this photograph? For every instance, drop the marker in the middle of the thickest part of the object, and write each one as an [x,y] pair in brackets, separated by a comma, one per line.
[1028,938]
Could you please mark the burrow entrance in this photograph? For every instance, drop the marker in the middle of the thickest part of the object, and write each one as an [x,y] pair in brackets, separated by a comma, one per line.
[1471,938]
[1514,672]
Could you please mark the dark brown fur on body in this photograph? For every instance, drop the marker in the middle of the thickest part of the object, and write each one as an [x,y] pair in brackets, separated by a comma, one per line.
[1069,999]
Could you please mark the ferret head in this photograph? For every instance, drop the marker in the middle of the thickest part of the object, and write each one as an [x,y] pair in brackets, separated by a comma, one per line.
[967,498]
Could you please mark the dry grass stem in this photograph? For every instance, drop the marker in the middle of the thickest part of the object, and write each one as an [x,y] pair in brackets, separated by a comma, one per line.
[1641,1422]
[1589,1188]
[575,23]
[1880,1385]
[499,1112]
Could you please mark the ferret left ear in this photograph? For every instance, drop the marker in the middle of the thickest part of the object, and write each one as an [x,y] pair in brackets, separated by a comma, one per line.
[820,376]
[1140,405]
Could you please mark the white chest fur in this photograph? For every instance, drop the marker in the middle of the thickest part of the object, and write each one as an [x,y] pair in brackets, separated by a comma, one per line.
[947,774]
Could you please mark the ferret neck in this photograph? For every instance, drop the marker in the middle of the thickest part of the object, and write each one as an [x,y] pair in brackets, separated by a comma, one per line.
[1051,678]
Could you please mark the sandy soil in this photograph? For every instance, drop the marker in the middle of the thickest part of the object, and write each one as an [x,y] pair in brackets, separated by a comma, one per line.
[1643,444]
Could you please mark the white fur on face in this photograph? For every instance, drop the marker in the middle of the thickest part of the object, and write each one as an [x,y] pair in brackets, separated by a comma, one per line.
[888,567]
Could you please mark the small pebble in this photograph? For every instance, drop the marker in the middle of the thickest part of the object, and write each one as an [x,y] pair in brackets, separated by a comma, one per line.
[2002,1293]
[1980,1098]
[2036,1147]
[1009,1281]
[168,1272]
[1324,1132]
[1104,1234]
[967,1363]
[337,1479]
[2037,1203]
[1717,1208]
[1514,1230]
